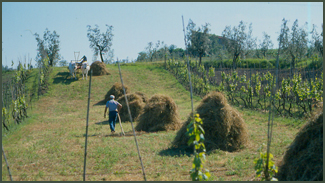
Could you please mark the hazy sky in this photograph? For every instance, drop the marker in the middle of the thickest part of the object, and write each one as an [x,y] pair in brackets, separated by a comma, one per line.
[138,23]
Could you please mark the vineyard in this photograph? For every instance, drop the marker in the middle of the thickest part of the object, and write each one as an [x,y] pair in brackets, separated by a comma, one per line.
[297,92]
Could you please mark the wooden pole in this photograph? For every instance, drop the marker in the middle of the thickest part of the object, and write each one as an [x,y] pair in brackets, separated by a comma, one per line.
[135,138]
[4,155]
[119,119]
[85,157]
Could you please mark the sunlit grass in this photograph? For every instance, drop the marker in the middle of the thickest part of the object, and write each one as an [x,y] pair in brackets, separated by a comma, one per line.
[50,144]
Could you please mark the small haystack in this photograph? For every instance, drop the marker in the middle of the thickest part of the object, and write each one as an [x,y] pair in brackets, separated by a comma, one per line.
[143,96]
[117,91]
[99,68]
[303,160]
[135,103]
[224,127]
[160,114]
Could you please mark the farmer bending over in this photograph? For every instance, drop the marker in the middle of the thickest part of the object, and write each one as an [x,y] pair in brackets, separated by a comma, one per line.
[114,108]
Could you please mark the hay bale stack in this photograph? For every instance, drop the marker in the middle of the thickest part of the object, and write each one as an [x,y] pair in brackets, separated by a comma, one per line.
[117,91]
[99,68]
[224,127]
[135,103]
[160,114]
[303,160]
[143,96]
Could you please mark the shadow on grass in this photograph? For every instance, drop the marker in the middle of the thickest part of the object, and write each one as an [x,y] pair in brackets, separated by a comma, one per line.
[102,123]
[182,151]
[62,77]
[102,102]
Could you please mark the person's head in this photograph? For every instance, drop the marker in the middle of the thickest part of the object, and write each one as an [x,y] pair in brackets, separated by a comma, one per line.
[111,97]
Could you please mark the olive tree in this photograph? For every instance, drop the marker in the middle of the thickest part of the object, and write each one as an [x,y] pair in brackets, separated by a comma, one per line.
[198,39]
[101,43]
[317,41]
[48,47]
[294,42]
[266,44]
[237,41]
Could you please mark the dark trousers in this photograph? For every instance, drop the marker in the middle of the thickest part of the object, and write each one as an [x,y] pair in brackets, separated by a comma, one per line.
[112,119]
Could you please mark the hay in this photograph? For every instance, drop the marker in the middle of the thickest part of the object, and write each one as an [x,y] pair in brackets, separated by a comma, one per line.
[99,68]
[303,160]
[224,127]
[143,96]
[160,114]
[117,91]
[136,105]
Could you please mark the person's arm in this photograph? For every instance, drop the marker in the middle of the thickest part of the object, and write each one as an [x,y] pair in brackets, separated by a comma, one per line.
[105,112]
[119,108]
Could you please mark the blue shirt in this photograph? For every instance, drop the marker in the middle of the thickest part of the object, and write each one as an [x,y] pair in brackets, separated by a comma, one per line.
[112,105]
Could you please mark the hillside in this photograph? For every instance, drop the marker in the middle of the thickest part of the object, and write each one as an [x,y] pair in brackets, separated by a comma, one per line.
[50,144]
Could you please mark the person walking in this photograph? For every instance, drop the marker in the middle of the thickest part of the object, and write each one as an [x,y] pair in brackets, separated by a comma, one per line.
[114,108]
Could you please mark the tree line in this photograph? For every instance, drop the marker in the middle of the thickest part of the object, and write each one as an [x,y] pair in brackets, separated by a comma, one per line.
[237,43]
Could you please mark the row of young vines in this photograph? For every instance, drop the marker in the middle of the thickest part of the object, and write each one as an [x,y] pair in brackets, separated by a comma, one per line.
[297,92]
[17,96]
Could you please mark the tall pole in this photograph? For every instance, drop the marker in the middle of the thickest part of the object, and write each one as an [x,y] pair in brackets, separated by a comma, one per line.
[135,138]
[4,155]
[84,175]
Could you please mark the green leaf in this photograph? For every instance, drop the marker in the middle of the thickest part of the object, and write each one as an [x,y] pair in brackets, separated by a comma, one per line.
[202,136]
[200,127]
[190,141]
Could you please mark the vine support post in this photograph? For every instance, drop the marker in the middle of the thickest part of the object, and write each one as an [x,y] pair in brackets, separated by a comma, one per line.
[85,157]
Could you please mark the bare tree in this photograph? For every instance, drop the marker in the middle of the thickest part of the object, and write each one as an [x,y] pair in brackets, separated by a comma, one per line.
[317,41]
[100,42]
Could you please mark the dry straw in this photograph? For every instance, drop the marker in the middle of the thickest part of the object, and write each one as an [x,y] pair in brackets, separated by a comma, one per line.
[136,105]
[117,91]
[224,127]
[159,114]
[303,160]
[99,68]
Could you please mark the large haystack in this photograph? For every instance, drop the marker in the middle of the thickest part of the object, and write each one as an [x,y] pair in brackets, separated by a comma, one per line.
[224,127]
[160,114]
[99,68]
[303,160]
[117,91]
[135,103]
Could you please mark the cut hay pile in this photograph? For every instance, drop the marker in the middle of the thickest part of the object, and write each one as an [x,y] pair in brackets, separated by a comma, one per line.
[303,160]
[224,127]
[117,91]
[99,68]
[159,114]
[143,96]
[135,103]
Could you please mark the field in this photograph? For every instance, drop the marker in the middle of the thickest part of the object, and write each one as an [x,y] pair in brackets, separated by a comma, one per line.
[50,144]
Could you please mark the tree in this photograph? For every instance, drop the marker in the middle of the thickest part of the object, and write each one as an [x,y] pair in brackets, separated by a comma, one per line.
[48,47]
[317,40]
[294,43]
[266,44]
[250,43]
[63,63]
[100,42]
[235,41]
[198,39]
[142,56]
[150,51]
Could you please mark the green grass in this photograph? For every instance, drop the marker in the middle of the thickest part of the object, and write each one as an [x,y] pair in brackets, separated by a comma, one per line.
[49,145]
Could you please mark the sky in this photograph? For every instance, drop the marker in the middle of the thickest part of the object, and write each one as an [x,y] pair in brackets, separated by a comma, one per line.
[135,24]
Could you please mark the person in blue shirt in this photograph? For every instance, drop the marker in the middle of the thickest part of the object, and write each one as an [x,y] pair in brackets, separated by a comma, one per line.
[114,108]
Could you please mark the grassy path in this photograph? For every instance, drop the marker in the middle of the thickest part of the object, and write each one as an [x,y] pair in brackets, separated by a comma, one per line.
[50,146]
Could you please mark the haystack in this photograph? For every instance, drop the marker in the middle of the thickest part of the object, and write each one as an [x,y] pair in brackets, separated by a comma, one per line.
[117,91]
[303,160]
[99,68]
[224,127]
[135,103]
[143,96]
[160,114]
